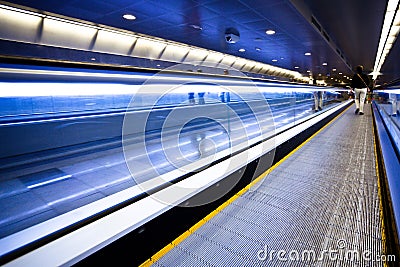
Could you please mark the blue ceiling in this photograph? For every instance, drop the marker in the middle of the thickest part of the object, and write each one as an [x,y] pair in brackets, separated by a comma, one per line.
[353,26]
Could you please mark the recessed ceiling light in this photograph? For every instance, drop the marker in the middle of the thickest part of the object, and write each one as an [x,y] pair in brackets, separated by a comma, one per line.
[270,32]
[242,50]
[333,69]
[340,73]
[296,67]
[197,27]
[307,54]
[258,49]
[324,64]
[129,17]
[274,60]
[93,59]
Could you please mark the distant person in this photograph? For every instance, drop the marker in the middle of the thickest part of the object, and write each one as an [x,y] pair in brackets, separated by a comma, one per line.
[201,98]
[395,103]
[318,100]
[221,96]
[318,97]
[359,84]
[191,98]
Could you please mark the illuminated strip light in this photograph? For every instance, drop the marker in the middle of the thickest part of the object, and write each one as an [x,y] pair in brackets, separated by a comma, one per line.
[151,79]
[50,181]
[391,91]
[69,42]
[64,89]
[390,31]
[100,89]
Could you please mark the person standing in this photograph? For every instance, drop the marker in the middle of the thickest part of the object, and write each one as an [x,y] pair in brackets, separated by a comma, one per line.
[318,97]
[359,84]
[318,100]
[395,103]
[191,98]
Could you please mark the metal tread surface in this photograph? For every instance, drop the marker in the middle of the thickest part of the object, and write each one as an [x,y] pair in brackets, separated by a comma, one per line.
[320,207]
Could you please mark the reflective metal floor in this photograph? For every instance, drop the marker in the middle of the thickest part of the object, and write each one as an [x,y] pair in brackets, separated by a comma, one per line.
[319,207]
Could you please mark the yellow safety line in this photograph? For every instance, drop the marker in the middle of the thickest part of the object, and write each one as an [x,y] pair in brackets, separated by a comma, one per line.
[384,249]
[183,236]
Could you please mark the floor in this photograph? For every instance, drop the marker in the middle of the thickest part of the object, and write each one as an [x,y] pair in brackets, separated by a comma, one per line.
[319,207]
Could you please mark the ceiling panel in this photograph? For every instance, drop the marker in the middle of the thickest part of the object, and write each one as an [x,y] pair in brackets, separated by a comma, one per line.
[354,26]
[357,31]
